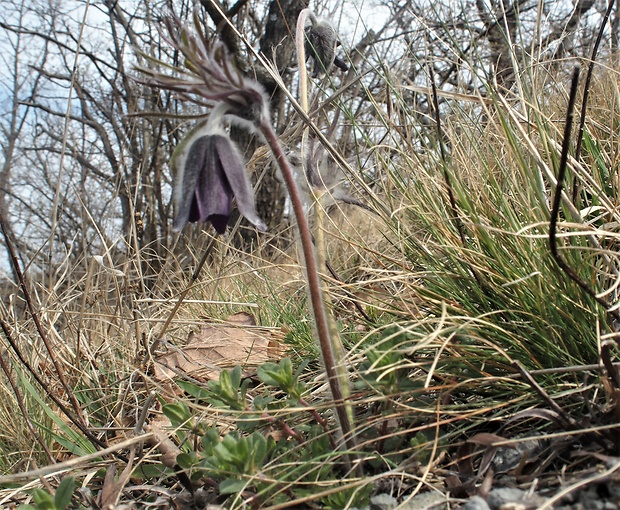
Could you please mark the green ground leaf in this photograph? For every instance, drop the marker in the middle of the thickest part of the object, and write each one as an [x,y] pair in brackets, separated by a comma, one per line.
[63,495]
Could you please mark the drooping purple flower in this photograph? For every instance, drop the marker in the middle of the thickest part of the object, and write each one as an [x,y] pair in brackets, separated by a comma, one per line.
[209,169]
[211,175]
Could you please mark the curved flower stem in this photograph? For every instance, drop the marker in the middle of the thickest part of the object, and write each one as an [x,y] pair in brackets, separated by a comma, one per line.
[314,289]
[335,350]
[300,43]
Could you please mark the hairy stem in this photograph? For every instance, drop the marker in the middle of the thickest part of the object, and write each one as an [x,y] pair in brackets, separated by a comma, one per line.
[300,42]
[314,287]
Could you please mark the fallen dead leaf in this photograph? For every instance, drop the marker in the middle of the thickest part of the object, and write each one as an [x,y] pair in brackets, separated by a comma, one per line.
[219,346]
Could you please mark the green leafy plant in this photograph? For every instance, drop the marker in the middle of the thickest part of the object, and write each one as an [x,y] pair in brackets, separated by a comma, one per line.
[60,500]
[229,391]
[281,375]
[233,458]
[279,439]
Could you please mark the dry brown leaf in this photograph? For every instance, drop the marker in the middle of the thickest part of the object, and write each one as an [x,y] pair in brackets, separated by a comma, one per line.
[113,487]
[218,346]
[160,440]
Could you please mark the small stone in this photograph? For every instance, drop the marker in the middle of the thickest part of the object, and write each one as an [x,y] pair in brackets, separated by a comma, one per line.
[508,458]
[475,503]
[431,500]
[513,499]
[383,502]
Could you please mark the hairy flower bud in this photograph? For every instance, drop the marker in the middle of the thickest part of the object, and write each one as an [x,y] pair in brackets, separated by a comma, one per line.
[321,43]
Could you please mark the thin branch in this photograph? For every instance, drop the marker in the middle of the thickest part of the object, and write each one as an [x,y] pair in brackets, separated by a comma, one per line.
[446,174]
[568,421]
[557,200]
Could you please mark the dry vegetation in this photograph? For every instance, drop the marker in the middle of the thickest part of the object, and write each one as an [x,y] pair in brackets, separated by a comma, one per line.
[463,334]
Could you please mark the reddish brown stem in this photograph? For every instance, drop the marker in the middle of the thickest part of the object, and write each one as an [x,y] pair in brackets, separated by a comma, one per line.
[314,285]
[319,419]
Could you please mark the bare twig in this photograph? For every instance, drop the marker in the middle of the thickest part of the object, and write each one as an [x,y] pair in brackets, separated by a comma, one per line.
[557,200]
[145,410]
[449,188]
[457,218]
[568,421]
[349,294]
[612,369]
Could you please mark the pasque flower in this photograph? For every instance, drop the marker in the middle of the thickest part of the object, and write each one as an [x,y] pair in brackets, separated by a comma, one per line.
[210,173]
[209,168]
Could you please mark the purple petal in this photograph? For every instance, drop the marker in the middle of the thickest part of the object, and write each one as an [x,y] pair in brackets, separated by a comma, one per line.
[188,179]
[213,193]
[219,222]
[232,165]
[205,194]
[194,212]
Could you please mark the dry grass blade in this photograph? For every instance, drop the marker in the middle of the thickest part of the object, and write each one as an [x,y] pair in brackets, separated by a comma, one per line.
[66,466]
